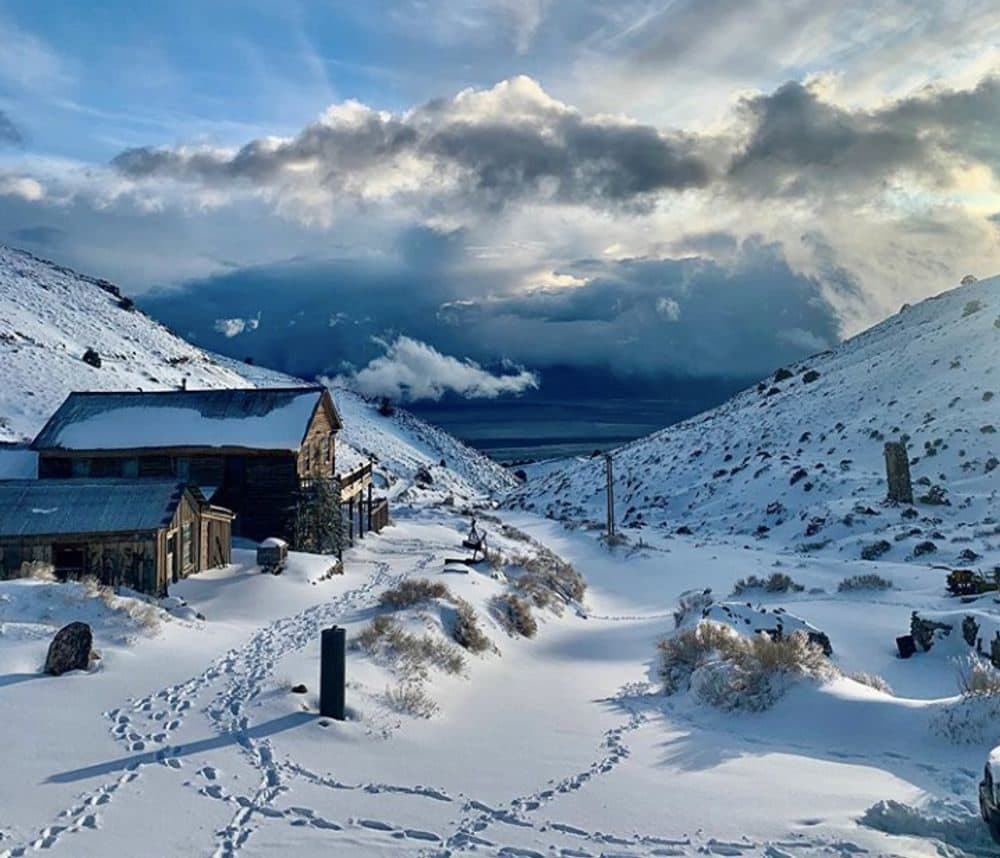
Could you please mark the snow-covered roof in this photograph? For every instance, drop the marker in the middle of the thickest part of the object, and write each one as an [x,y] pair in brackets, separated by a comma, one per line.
[256,418]
[54,507]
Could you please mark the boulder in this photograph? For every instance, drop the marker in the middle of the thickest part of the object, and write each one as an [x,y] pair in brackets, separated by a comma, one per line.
[70,649]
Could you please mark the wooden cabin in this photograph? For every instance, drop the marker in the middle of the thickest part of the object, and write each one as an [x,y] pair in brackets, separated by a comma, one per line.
[143,534]
[250,450]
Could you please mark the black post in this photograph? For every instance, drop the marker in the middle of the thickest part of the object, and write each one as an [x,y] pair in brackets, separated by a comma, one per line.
[332,673]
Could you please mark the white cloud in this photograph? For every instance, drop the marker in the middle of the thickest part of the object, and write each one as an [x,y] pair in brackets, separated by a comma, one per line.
[21,186]
[411,370]
[669,309]
[234,327]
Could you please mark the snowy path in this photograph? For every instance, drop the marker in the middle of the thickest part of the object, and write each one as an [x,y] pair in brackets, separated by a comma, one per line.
[560,746]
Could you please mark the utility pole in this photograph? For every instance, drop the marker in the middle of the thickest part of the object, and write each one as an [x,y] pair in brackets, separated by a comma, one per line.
[609,467]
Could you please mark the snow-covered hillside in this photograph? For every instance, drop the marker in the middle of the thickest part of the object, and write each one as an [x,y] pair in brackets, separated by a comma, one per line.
[416,461]
[50,316]
[799,458]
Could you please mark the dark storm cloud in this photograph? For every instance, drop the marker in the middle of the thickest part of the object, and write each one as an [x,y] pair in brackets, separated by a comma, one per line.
[10,134]
[689,316]
[587,162]
[540,148]
[799,144]
[516,143]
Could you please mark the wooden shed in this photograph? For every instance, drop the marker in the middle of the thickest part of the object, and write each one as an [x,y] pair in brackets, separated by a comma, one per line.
[143,534]
[250,450]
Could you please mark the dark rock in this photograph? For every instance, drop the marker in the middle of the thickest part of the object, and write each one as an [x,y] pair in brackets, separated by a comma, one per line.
[783,374]
[923,548]
[90,356]
[810,377]
[299,689]
[70,649]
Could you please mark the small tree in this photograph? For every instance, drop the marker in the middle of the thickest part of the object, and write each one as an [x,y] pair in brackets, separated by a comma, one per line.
[318,525]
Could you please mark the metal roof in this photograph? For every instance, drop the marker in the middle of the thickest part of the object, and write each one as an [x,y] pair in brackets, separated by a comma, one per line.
[56,507]
[253,418]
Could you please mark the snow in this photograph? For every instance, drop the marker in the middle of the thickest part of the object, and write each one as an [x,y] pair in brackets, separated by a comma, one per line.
[803,467]
[51,316]
[151,424]
[188,739]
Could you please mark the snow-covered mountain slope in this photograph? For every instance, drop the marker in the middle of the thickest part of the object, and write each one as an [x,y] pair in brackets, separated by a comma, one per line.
[799,458]
[50,316]
[415,460]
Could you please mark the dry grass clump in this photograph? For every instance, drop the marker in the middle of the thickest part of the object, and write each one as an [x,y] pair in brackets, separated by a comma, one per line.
[409,698]
[872,680]
[38,570]
[408,654]
[778,582]
[514,614]
[413,591]
[729,671]
[868,581]
[466,630]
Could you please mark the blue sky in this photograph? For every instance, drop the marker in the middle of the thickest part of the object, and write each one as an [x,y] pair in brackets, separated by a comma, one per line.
[558,183]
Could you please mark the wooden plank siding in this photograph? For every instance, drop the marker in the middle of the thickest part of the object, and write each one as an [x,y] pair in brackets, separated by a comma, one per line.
[260,485]
[145,561]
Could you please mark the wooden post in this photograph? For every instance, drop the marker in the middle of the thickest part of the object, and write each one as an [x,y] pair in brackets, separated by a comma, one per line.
[350,518]
[611,493]
[370,506]
[361,517]
[897,471]
[333,673]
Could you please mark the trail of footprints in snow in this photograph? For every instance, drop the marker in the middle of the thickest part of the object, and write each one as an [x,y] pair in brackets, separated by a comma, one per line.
[164,713]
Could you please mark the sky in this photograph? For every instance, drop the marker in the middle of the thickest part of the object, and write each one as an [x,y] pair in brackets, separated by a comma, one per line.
[427,197]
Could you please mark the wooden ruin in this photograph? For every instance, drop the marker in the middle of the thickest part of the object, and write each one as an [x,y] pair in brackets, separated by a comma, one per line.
[139,534]
[897,470]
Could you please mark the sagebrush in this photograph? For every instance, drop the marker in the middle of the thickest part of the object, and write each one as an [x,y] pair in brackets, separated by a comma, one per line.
[408,654]
[729,671]
[514,614]
[466,630]
[868,581]
[413,591]
[777,582]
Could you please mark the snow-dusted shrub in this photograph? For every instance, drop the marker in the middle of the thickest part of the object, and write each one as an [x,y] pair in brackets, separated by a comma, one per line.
[971,720]
[868,581]
[410,698]
[729,671]
[874,550]
[777,582]
[972,307]
[872,680]
[413,591]
[466,630]
[978,678]
[686,651]
[407,653]
[514,614]
[515,533]
[691,603]
[548,581]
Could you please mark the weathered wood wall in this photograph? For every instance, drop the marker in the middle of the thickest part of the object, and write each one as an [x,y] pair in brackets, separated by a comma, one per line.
[317,455]
[114,559]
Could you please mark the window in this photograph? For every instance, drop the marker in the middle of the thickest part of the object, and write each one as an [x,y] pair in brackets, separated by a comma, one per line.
[182,467]
[187,545]
[81,467]
[130,467]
